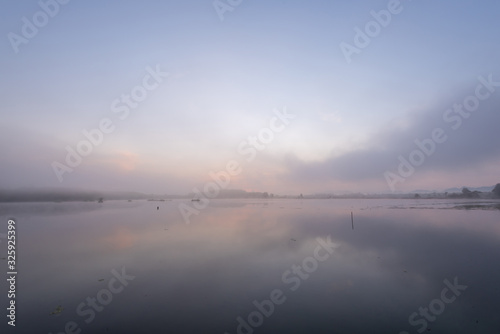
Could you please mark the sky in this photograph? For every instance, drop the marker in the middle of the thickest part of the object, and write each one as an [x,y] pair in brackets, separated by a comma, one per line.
[286,97]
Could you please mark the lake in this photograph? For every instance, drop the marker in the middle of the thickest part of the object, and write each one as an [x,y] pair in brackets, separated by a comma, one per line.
[255,266]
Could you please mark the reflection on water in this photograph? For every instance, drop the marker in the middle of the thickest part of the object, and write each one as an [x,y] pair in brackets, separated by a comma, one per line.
[261,266]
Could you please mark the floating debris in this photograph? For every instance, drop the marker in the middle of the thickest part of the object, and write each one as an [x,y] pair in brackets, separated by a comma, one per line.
[58,310]
[102,279]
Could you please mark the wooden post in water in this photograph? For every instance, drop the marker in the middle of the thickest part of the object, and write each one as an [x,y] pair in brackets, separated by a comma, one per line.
[352,221]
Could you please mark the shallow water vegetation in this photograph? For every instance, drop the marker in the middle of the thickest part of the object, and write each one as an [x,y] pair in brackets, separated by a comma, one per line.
[491,206]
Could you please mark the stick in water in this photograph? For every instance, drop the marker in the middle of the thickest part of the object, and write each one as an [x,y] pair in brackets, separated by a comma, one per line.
[352,221]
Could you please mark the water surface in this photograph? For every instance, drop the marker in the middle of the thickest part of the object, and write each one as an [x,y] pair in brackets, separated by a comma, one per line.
[207,277]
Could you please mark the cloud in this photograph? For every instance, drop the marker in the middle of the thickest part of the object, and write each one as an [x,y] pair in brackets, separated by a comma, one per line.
[27,156]
[153,166]
[472,145]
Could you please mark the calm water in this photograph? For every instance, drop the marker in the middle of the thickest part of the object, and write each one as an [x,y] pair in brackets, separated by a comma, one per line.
[254,266]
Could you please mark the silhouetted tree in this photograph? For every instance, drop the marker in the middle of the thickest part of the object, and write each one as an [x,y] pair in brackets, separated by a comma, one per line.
[496,190]
[470,194]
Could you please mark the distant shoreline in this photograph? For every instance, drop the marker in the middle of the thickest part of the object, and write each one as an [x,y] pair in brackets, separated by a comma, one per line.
[100,199]
[78,195]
